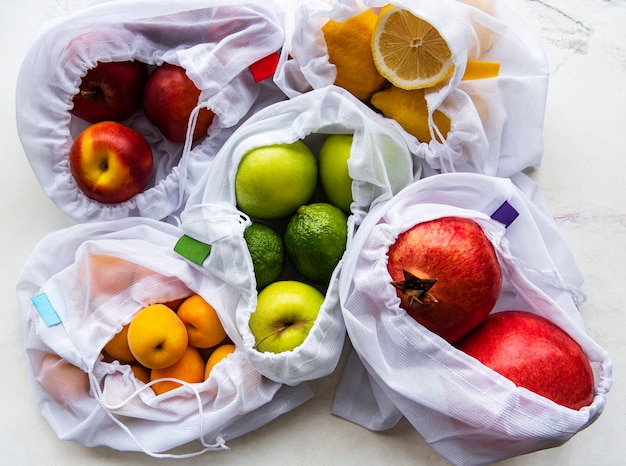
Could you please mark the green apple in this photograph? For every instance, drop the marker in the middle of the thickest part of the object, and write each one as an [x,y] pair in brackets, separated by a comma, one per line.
[273,181]
[286,310]
[333,169]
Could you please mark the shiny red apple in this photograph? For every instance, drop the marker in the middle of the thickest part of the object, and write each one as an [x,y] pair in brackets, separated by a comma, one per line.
[168,100]
[111,162]
[535,354]
[110,91]
[446,274]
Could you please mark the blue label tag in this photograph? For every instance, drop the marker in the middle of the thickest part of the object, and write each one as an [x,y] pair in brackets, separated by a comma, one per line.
[45,310]
[505,214]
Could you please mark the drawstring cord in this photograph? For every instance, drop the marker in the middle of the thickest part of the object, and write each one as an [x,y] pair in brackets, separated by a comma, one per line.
[191,127]
[107,408]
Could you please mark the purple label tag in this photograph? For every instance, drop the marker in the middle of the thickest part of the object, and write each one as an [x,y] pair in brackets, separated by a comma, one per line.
[45,310]
[505,214]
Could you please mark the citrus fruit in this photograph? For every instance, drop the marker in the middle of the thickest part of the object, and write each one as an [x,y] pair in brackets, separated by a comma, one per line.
[349,48]
[315,239]
[477,69]
[409,51]
[216,356]
[333,169]
[285,313]
[485,34]
[267,252]
[410,110]
[272,181]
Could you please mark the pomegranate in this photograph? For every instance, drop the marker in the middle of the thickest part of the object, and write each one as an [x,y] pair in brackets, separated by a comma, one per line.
[535,354]
[446,275]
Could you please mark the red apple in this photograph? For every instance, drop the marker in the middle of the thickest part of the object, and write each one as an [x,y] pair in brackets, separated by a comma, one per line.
[168,100]
[446,275]
[110,91]
[535,354]
[111,162]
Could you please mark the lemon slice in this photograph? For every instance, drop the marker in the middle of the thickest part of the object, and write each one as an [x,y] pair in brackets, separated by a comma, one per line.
[408,51]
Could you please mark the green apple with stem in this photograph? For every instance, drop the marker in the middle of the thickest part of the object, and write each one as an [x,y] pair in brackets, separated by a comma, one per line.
[285,313]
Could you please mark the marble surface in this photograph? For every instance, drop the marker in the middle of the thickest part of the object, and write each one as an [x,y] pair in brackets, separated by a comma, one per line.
[581,177]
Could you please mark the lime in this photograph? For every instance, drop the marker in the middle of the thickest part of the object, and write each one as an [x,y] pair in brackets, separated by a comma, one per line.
[267,252]
[333,169]
[273,181]
[315,239]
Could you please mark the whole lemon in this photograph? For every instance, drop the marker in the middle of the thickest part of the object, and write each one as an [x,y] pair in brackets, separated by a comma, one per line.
[273,181]
[315,240]
[410,110]
[349,49]
[333,169]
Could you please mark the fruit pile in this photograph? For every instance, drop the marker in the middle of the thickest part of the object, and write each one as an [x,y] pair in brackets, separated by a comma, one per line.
[448,278]
[389,60]
[445,273]
[110,161]
[275,185]
[180,340]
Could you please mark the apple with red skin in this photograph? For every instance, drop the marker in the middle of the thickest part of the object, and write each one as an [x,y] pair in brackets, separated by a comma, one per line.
[110,91]
[110,162]
[535,354]
[169,97]
[446,274]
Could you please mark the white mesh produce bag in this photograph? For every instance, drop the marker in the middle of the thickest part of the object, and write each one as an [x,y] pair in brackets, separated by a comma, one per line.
[496,123]
[465,411]
[77,290]
[380,165]
[215,41]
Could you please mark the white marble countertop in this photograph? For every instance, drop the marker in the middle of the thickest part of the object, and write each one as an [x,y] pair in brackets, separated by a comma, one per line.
[582,180]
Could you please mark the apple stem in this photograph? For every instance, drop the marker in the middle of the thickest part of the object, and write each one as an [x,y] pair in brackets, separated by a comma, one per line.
[415,288]
[276,331]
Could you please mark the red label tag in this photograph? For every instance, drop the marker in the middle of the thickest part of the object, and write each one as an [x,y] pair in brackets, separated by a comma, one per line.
[265,67]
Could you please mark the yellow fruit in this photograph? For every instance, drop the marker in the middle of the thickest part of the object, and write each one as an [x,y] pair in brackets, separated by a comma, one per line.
[315,240]
[140,373]
[157,337]
[409,51]
[333,169]
[273,181]
[409,109]
[267,252]
[202,322]
[477,69]
[349,49]
[189,368]
[486,36]
[118,347]
[216,356]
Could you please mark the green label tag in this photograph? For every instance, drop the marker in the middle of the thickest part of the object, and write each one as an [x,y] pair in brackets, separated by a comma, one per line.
[192,249]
